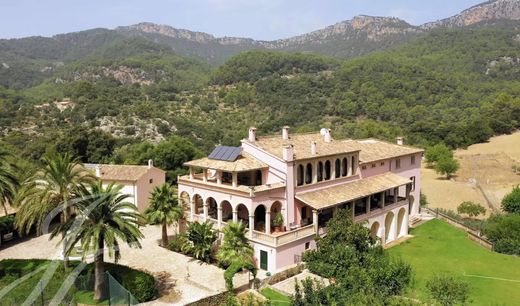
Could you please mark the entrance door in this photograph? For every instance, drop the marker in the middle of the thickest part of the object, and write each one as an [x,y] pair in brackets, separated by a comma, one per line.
[263,260]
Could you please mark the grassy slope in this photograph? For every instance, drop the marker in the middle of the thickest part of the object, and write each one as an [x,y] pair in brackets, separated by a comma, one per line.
[277,299]
[439,247]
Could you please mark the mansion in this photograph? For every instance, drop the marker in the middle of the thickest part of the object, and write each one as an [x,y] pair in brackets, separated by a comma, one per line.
[286,187]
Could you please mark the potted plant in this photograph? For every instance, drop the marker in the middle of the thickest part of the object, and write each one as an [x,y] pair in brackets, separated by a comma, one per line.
[278,222]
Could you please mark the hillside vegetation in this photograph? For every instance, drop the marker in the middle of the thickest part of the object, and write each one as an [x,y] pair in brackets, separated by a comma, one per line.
[459,86]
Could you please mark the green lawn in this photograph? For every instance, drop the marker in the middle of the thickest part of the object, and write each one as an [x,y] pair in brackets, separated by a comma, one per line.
[439,247]
[277,299]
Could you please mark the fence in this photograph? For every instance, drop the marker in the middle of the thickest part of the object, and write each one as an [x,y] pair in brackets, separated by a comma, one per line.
[118,295]
[473,233]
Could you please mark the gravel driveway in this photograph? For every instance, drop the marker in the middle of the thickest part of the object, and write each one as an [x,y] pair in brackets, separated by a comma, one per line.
[183,279]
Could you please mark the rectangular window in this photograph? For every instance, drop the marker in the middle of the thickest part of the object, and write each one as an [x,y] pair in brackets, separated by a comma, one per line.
[307,245]
[374,165]
[263,260]
[382,163]
[151,181]
[398,163]
[364,167]
[412,160]
[413,182]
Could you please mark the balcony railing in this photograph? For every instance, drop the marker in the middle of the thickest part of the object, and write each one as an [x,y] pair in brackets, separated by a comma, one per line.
[379,211]
[198,182]
[277,239]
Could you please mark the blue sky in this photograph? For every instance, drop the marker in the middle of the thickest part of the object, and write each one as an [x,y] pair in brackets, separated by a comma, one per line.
[259,19]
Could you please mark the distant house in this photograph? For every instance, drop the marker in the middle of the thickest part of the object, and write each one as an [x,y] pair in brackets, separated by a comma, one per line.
[138,181]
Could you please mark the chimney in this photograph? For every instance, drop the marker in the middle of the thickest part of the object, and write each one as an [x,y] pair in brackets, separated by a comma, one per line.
[98,170]
[400,141]
[313,148]
[252,134]
[288,153]
[285,133]
[150,164]
[327,137]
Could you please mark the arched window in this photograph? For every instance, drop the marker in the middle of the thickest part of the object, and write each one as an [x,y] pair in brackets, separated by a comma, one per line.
[344,167]
[337,168]
[299,175]
[327,170]
[308,174]
[320,171]
[354,167]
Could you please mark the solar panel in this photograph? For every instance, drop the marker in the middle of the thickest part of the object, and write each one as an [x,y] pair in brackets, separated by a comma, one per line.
[225,153]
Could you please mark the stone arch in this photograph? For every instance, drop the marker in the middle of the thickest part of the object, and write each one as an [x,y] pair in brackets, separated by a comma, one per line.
[327,170]
[299,175]
[337,168]
[260,218]
[411,204]
[344,167]
[243,214]
[184,201]
[389,227]
[199,204]
[308,174]
[401,226]
[320,171]
[227,211]
[374,230]
[212,208]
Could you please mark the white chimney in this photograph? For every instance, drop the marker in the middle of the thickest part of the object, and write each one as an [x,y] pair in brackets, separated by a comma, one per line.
[313,148]
[288,153]
[252,134]
[400,141]
[285,133]
[150,164]
[98,170]
[327,137]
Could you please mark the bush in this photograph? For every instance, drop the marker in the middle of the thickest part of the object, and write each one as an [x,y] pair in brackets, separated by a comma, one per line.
[471,209]
[7,224]
[504,232]
[280,276]
[139,283]
[447,290]
[511,202]
[176,242]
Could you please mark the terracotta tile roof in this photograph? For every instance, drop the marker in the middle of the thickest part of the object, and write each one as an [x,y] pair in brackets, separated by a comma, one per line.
[374,150]
[371,149]
[331,196]
[302,145]
[120,172]
[244,162]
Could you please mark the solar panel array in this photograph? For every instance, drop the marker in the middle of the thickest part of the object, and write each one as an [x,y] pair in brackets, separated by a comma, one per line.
[225,153]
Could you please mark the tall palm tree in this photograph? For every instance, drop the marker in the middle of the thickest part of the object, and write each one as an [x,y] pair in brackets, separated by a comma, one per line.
[8,181]
[104,218]
[235,246]
[164,209]
[59,179]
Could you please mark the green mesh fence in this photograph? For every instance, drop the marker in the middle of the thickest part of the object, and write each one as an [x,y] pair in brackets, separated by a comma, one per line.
[118,295]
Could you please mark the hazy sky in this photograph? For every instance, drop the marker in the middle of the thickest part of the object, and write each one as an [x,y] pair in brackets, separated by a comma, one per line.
[259,19]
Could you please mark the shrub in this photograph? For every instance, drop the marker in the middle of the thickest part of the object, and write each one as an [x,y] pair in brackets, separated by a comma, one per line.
[447,290]
[176,243]
[471,209]
[139,283]
[511,202]
[447,166]
[7,224]
[504,232]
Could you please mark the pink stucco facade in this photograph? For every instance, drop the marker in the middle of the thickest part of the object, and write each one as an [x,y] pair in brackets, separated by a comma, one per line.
[294,170]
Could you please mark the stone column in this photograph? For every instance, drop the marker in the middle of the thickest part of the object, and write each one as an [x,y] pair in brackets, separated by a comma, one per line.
[382,205]
[367,202]
[268,222]
[353,206]
[235,179]
[205,211]
[251,225]
[315,220]
[396,193]
[219,177]
[219,217]
[314,172]
[333,169]
[383,235]
[192,210]
[235,215]
[334,211]
[191,173]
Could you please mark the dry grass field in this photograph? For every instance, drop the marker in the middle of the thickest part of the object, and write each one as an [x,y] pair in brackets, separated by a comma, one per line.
[485,175]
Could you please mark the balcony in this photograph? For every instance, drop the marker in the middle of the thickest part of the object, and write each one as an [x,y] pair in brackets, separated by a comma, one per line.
[198,181]
[378,211]
[279,239]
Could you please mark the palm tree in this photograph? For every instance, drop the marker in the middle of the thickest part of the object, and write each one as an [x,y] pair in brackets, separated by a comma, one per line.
[8,181]
[56,183]
[201,238]
[235,246]
[104,218]
[164,209]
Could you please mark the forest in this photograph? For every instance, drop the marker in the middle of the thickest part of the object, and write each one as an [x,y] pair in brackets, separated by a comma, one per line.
[126,96]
